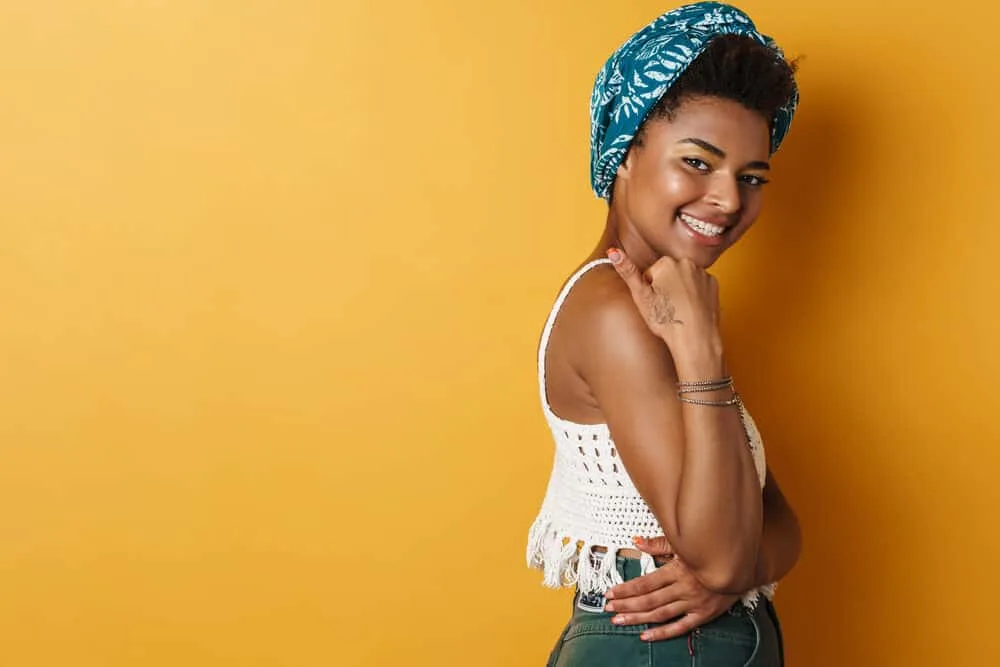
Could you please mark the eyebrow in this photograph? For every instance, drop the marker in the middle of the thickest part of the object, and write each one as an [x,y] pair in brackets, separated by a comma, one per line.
[718,152]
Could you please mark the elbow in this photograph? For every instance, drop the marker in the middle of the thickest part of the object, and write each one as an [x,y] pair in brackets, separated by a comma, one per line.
[727,581]
[733,575]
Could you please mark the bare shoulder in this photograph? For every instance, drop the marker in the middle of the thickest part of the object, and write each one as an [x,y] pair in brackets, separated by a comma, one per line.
[601,324]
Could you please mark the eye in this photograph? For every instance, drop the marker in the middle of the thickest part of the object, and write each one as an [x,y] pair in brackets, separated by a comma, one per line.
[700,165]
[753,181]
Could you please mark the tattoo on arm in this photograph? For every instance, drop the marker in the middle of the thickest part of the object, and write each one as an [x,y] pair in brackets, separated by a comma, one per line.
[663,311]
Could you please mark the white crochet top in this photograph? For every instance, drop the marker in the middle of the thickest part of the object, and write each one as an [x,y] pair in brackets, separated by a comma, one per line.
[591,500]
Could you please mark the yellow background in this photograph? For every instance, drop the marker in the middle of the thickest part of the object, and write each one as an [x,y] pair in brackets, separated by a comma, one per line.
[272,279]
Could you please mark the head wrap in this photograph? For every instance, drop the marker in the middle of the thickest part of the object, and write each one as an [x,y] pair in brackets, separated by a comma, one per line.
[637,75]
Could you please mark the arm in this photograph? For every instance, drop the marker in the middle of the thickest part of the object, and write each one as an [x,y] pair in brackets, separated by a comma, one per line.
[781,542]
[672,592]
[690,463]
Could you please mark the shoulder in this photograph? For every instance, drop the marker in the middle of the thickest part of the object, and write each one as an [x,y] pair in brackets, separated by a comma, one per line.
[603,326]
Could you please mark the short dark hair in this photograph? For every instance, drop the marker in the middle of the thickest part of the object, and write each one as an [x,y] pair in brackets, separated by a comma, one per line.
[733,67]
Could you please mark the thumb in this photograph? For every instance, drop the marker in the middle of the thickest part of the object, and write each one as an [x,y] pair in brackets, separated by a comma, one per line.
[630,274]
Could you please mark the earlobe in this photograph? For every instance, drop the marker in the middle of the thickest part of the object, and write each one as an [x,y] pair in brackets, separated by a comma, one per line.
[625,167]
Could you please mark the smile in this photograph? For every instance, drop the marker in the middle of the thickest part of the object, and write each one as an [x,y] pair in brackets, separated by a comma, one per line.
[701,227]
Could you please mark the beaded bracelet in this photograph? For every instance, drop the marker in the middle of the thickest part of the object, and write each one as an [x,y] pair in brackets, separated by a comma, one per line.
[735,400]
[704,386]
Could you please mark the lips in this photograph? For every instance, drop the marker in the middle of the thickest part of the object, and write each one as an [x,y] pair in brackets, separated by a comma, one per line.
[701,231]
[703,227]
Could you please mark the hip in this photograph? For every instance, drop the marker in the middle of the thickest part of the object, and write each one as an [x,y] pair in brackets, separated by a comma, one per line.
[740,637]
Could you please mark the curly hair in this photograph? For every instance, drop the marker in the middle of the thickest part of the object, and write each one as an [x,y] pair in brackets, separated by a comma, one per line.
[732,67]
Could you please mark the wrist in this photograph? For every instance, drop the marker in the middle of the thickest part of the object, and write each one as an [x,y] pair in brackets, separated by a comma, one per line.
[701,359]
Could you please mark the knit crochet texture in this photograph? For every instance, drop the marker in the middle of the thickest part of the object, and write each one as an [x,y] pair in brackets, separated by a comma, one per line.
[591,500]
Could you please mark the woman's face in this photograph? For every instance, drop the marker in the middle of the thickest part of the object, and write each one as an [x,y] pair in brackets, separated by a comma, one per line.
[695,184]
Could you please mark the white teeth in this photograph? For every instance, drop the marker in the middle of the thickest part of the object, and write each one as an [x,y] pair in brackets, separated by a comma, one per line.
[705,228]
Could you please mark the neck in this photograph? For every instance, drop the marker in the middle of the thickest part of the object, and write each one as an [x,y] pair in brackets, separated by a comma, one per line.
[620,233]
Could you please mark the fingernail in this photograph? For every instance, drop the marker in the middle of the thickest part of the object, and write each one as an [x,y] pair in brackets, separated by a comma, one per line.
[618,620]
[637,540]
[614,255]
[609,595]
[644,636]
[608,606]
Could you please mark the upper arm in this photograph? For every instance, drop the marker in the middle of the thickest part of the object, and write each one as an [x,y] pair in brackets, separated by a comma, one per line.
[631,374]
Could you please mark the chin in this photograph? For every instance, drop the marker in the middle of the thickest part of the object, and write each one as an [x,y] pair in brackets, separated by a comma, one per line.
[701,258]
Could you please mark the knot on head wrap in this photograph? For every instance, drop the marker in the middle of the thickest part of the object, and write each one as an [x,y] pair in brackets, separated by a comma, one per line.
[638,74]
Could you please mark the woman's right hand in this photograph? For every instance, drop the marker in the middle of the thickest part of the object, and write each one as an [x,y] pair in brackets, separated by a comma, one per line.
[679,302]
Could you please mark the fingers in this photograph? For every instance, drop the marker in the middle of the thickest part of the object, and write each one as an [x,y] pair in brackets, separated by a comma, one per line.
[630,274]
[647,583]
[667,271]
[657,546]
[641,604]
[658,615]
[664,268]
[671,630]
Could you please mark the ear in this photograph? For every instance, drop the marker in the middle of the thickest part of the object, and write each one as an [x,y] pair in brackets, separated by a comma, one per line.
[625,168]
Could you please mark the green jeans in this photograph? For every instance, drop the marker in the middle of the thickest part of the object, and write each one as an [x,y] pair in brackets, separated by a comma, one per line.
[737,638]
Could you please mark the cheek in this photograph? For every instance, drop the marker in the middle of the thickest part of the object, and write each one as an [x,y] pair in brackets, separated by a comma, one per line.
[670,189]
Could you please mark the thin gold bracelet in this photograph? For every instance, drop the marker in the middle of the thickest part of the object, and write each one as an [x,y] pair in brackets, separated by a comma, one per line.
[705,389]
[705,386]
[735,400]
[705,383]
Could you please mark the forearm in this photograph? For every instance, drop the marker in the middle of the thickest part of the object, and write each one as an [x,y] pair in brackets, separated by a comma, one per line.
[719,512]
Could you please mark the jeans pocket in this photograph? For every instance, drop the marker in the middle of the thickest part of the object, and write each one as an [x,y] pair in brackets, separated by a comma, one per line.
[732,640]
[772,615]
[602,649]
[756,642]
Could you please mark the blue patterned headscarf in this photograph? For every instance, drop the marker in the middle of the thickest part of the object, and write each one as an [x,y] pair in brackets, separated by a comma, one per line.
[637,75]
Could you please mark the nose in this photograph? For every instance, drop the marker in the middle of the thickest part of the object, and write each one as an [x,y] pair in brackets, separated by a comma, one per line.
[724,193]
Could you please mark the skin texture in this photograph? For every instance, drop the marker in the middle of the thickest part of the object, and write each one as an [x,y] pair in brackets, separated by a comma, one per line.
[626,335]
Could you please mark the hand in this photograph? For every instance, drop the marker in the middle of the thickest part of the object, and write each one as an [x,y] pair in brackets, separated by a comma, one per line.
[678,300]
[671,593]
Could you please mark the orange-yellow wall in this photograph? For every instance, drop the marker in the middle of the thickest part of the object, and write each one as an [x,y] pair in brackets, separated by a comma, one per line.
[272,279]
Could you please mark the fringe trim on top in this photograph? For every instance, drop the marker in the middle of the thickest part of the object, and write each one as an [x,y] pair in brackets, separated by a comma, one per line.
[559,559]
[564,563]
[752,599]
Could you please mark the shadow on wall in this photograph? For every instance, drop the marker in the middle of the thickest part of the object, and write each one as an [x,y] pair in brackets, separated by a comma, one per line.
[815,426]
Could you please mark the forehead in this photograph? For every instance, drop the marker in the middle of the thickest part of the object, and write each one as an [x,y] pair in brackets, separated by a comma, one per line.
[740,132]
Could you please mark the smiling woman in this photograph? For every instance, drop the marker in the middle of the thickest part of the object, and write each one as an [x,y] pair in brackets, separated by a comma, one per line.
[652,440]
[680,165]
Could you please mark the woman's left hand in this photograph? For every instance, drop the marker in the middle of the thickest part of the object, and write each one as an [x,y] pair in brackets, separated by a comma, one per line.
[671,593]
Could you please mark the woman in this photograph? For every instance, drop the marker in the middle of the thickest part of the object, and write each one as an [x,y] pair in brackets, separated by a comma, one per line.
[651,438]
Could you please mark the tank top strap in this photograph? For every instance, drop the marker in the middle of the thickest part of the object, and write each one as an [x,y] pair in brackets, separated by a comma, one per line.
[547,331]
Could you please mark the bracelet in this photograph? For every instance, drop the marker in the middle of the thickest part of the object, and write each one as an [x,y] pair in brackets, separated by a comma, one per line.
[704,386]
[703,383]
[735,400]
